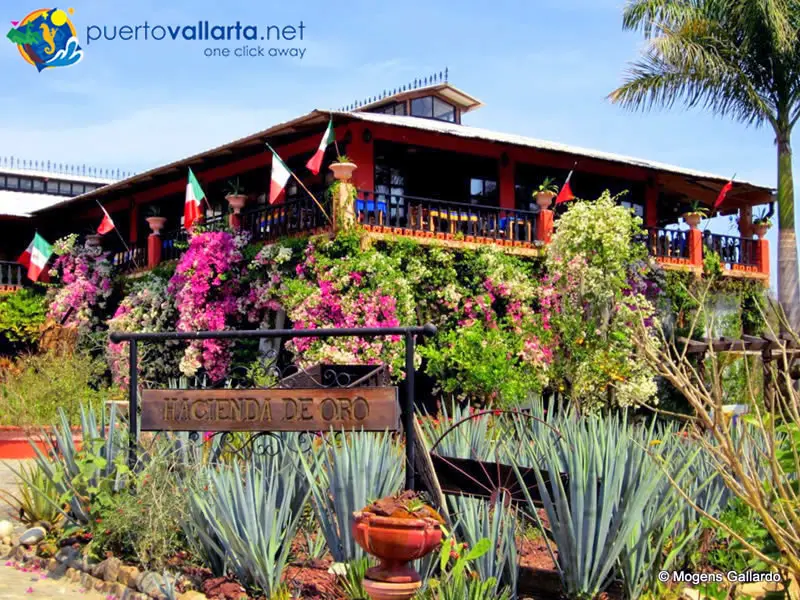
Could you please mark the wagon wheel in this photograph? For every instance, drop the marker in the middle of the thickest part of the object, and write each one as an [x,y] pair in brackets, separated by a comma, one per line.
[486,479]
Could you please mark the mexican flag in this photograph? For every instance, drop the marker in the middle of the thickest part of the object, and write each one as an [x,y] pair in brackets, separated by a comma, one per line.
[36,256]
[315,162]
[107,224]
[194,195]
[280,175]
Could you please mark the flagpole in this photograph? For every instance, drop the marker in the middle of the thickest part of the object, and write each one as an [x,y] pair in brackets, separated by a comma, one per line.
[119,235]
[302,185]
[335,143]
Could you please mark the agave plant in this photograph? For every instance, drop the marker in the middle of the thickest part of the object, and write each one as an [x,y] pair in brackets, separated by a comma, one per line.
[472,439]
[81,474]
[476,520]
[247,518]
[37,498]
[609,485]
[345,476]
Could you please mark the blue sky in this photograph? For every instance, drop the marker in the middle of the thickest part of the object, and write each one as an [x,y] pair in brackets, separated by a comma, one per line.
[542,67]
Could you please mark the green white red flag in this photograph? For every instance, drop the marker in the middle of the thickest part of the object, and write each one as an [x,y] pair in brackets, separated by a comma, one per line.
[280,175]
[194,196]
[107,224]
[315,162]
[36,256]
[565,193]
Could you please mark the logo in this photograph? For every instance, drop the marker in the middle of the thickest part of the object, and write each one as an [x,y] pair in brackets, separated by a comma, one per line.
[46,38]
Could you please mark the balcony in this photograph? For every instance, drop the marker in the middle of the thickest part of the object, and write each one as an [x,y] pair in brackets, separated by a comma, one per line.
[432,221]
[11,276]
[459,224]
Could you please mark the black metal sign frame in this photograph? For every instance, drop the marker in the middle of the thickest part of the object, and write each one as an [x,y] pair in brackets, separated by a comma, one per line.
[409,333]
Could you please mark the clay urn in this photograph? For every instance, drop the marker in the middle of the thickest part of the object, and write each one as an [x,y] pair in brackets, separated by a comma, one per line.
[544,199]
[394,542]
[94,240]
[156,223]
[343,171]
[236,202]
[692,219]
[761,230]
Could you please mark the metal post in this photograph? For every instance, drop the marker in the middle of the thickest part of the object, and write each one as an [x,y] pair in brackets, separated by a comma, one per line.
[133,403]
[408,414]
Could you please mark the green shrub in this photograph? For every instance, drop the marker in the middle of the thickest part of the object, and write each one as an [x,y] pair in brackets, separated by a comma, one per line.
[21,315]
[36,386]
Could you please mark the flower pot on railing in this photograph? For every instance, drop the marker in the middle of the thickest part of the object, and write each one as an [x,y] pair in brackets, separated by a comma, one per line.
[236,202]
[544,199]
[692,219]
[343,171]
[156,224]
[760,230]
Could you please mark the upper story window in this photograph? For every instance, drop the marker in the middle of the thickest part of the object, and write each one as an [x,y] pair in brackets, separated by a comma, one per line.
[42,186]
[483,191]
[395,108]
[432,107]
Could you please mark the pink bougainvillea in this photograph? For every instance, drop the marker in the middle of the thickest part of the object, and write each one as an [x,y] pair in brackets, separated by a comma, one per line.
[85,275]
[206,284]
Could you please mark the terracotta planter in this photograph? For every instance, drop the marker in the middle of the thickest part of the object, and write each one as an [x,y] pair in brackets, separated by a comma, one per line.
[343,171]
[761,230]
[692,219]
[236,202]
[156,224]
[15,445]
[395,542]
[544,199]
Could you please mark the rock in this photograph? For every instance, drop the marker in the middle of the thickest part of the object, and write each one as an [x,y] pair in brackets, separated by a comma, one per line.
[6,529]
[67,554]
[111,570]
[6,540]
[5,550]
[127,576]
[34,535]
[23,554]
[192,595]
[150,583]
[118,590]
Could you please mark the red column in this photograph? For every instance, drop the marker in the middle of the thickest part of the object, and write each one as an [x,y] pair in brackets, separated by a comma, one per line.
[362,153]
[153,250]
[235,220]
[762,256]
[651,203]
[544,226]
[695,247]
[507,190]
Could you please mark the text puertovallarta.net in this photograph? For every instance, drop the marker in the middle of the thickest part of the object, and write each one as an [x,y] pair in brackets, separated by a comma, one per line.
[368,408]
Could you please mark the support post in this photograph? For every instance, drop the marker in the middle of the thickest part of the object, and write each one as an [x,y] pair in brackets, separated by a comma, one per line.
[544,226]
[651,203]
[153,250]
[762,257]
[133,402]
[408,413]
[695,238]
[746,222]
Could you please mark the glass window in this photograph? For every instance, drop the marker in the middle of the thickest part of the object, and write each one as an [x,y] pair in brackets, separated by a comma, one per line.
[638,209]
[482,191]
[422,107]
[65,188]
[52,187]
[26,184]
[38,185]
[443,111]
[12,183]
[78,189]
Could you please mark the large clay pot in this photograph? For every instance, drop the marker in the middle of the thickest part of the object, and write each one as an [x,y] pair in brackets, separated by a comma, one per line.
[692,219]
[156,223]
[94,240]
[761,230]
[544,199]
[343,171]
[395,542]
[236,202]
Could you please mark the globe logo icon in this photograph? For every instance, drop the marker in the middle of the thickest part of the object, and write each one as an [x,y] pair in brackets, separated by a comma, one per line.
[46,38]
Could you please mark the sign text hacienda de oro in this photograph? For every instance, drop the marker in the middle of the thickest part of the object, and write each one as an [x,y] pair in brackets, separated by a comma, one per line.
[373,409]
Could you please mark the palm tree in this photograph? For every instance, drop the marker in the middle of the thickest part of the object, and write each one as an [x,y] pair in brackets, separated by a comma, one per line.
[739,58]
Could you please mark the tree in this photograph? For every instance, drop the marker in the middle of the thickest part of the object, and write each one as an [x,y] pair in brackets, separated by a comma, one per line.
[738,58]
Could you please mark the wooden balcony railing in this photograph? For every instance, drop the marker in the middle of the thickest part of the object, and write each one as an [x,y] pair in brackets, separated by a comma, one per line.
[11,275]
[668,243]
[733,251]
[431,217]
[130,260]
[270,222]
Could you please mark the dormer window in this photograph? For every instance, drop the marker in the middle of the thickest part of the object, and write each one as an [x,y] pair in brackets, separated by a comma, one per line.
[432,107]
[394,108]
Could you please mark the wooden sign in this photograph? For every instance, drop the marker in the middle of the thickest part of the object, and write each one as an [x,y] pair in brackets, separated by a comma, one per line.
[370,408]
